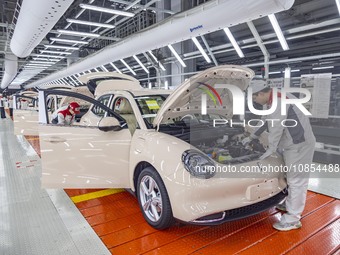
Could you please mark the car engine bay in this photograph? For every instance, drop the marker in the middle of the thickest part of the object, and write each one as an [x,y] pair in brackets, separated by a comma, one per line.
[223,143]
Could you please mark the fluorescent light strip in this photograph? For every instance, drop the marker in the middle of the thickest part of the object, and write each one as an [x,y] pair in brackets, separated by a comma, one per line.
[73,80]
[159,63]
[322,67]
[233,42]
[61,47]
[68,40]
[42,62]
[89,23]
[77,79]
[56,52]
[38,64]
[141,64]
[128,67]
[200,48]
[104,68]
[116,68]
[46,60]
[338,5]
[96,70]
[49,56]
[76,33]
[274,72]
[278,32]
[176,55]
[66,82]
[106,10]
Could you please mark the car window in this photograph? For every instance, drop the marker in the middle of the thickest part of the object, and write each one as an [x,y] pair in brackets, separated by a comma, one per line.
[123,107]
[99,111]
[149,106]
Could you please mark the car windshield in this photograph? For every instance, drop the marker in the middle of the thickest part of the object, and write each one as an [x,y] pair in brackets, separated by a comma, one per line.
[149,106]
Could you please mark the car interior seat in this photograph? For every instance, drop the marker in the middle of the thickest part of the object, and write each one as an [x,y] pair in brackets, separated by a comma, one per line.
[124,109]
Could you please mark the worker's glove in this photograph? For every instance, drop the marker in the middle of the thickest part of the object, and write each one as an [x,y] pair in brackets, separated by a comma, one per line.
[246,140]
[267,154]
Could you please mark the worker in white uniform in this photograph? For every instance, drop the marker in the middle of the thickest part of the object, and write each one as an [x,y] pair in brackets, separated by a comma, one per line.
[296,144]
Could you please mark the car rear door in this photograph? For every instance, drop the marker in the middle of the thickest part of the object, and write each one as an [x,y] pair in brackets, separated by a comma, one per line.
[79,156]
[25,120]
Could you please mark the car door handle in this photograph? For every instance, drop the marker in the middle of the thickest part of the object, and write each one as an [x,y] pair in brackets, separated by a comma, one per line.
[55,139]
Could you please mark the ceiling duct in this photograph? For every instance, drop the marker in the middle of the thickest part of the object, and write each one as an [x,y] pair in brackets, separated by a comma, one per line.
[11,69]
[36,19]
[206,18]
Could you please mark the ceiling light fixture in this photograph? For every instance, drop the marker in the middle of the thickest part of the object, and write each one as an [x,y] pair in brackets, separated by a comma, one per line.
[104,68]
[200,48]
[106,10]
[176,55]
[141,64]
[46,60]
[322,67]
[68,40]
[233,42]
[89,23]
[47,56]
[277,72]
[77,33]
[56,52]
[74,82]
[96,70]
[116,68]
[42,62]
[128,67]
[278,32]
[60,47]
[159,63]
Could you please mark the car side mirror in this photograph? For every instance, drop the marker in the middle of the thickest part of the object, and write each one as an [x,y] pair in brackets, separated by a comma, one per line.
[109,124]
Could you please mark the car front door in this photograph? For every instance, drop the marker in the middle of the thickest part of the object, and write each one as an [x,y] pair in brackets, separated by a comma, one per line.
[79,156]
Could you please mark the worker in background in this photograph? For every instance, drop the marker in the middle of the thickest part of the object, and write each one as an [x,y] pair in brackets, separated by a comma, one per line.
[296,144]
[66,115]
[2,107]
[10,106]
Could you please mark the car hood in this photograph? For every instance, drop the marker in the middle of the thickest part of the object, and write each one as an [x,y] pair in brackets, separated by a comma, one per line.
[187,98]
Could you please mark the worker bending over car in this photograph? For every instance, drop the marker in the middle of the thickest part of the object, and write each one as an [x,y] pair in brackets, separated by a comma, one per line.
[295,143]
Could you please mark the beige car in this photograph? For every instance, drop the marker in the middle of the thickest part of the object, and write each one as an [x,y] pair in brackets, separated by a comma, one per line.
[164,148]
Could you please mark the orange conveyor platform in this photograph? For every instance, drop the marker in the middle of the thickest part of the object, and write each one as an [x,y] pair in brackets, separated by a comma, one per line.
[116,218]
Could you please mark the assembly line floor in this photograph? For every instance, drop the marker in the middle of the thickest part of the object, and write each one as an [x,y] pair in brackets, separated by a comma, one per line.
[38,221]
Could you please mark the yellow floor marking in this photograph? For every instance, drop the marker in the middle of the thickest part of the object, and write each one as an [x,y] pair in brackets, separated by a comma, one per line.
[96,194]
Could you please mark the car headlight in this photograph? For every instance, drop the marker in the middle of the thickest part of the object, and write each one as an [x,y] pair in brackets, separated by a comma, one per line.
[198,164]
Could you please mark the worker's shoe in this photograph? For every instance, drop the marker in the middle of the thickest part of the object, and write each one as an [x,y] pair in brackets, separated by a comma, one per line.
[281,207]
[285,226]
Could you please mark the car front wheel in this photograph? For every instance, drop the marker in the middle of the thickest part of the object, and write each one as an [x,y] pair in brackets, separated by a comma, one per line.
[153,199]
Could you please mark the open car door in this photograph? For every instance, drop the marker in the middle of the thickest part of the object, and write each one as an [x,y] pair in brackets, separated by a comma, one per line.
[25,115]
[78,156]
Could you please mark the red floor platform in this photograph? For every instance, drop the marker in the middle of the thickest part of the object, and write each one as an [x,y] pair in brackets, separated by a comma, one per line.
[118,221]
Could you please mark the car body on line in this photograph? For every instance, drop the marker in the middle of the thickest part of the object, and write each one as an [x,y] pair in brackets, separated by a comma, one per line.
[156,143]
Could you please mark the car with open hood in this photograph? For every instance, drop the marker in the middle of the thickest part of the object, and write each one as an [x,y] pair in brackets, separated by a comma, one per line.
[163,147]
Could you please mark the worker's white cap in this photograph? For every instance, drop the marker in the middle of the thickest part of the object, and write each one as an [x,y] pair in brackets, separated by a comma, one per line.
[258,85]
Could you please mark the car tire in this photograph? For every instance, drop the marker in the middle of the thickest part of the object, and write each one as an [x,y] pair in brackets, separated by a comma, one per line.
[153,199]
